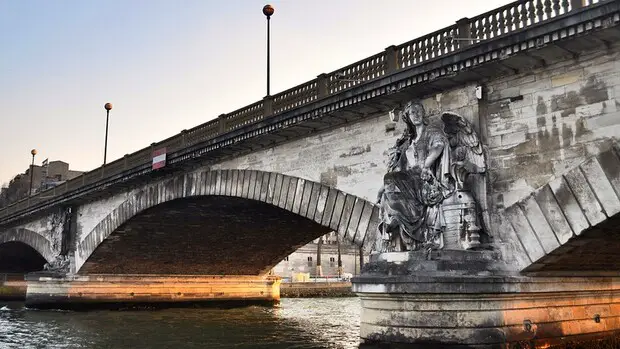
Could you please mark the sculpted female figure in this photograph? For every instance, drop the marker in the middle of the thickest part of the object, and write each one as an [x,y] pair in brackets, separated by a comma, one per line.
[417,181]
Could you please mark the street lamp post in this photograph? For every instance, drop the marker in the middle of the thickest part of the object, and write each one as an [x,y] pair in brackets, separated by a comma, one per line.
[268,11]
[108,107]
[33,152]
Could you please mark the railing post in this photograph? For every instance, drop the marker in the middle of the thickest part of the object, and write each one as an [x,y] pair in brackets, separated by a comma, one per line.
[221,123]
[463,37]
[391,59]
[183,139]
[267,106]
[321,86]
[125,162]
[576,4]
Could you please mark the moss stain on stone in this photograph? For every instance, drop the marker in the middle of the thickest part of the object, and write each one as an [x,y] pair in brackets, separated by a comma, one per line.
[541,107]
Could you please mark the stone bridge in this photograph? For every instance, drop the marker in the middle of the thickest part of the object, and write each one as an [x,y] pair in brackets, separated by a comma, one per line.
[538,80]
[234,222]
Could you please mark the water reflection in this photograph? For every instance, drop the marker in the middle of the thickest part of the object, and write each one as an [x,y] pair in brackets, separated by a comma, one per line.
[295,323]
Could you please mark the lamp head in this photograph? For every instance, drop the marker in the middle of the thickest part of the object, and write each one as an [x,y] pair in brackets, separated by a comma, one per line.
[108,106]
[268,10]
[33,152]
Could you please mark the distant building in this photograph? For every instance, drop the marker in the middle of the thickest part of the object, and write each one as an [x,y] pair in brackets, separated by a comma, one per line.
[46,176]
[53,174]
[304,260]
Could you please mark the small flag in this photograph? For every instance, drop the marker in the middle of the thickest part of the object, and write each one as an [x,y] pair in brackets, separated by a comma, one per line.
[44,163]
[159,158]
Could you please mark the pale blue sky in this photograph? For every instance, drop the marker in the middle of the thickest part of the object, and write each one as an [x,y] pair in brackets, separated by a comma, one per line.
[171,65]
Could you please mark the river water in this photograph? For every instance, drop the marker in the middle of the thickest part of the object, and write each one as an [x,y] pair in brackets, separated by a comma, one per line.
[294,323]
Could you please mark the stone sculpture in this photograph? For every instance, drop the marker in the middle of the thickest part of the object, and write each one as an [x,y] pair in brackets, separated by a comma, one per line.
[60,264]
[425,201]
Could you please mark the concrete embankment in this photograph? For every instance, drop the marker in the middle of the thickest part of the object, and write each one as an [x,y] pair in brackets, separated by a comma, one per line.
[12,287]
[316,289]
[114,291]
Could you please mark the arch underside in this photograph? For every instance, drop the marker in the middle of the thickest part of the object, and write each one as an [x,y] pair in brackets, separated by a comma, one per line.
[18,257]
[594,250]
[206,235]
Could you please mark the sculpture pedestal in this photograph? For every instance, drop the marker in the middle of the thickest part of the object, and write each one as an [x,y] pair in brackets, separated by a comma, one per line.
[83,291]
[448,300]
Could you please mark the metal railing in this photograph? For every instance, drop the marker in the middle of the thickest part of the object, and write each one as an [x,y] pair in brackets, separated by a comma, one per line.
[510,18]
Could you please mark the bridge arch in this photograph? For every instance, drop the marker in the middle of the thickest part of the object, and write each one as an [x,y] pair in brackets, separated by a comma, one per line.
[24,249]
[352,217]
[572,223]
[31,239]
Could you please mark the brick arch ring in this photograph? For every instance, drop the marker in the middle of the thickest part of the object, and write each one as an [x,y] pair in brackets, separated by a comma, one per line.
[354,218]
[30,238]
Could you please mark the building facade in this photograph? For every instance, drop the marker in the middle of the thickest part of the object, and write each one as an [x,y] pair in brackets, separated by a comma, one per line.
[306,259]
[46,176]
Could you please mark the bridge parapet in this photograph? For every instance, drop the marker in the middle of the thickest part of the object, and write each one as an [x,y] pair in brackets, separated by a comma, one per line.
[513,18]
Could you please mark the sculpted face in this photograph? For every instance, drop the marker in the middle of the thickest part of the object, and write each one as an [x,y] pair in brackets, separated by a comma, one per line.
[415,114]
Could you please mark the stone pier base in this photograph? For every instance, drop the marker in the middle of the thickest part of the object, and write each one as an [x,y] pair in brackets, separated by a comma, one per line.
[83,291]
[455,308]
[12,287]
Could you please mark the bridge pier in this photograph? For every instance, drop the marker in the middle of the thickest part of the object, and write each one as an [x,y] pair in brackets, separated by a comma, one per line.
[104,290]
[448,299]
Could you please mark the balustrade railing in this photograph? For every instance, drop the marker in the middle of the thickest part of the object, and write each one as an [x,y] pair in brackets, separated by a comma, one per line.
[428,47]
[518,15]
[295,97]
[357,73]
[244,116]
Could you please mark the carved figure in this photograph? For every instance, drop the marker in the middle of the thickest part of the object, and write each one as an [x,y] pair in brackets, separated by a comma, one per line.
[60,264]
[427,168]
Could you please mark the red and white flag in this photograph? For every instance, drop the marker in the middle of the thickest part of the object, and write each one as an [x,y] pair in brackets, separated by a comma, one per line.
[159,158]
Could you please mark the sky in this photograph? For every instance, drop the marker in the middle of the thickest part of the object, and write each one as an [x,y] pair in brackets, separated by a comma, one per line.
[172,65]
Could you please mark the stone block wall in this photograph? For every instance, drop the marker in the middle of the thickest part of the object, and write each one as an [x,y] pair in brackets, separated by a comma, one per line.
[351,158]
[542,123]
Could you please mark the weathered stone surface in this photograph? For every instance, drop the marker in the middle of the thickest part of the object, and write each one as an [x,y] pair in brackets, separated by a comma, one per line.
[567,201]
[610,164]
[525,233]
[315,196]
[600,185]
[484,310]
[291,193]
[337,213]
[356,214]
[365,225]
[330,205]
[585,196]
[540,225]
[305,201]
[553,214]
[347,211]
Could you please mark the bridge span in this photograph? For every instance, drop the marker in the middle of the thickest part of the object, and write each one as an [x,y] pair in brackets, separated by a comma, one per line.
[479,164]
